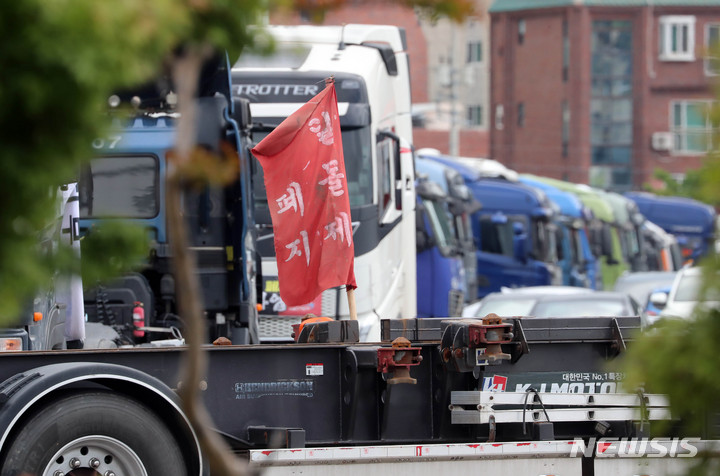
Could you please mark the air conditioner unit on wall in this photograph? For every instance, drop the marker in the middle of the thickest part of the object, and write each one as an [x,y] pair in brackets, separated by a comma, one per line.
[663,141]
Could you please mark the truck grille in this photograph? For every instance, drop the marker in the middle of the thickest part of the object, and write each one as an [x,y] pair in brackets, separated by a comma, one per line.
[277,328]
[456,300]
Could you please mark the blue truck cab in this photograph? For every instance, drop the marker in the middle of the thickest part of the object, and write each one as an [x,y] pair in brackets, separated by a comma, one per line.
[461,205]
[514,232]
[126,180]
[440,272]
[690,221]
[578,264]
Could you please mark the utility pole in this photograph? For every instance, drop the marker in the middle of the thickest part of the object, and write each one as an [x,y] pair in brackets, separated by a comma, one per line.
[454,136]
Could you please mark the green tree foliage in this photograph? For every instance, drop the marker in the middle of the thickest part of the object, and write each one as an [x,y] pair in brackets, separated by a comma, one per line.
[456,10]
[59,61]
[673,188]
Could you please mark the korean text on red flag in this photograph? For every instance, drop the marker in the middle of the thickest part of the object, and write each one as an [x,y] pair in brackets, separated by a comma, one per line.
[307,192]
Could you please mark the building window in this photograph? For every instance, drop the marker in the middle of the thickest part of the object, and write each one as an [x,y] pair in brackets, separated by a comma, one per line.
[565,128]
[712,49]
[474,115]
[499,117]
[611,104]
[677,38]
[474,52]
[521,114]
[566,51]
[691,125]
[521,31]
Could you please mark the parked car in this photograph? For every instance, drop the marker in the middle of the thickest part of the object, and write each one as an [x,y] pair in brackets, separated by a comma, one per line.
[640,285]
[684,295]
[540,303]
[545,289]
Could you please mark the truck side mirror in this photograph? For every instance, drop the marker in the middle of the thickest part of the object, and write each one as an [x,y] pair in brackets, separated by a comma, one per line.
[559,240]
[397,150]
[424,241]
[519,242]
[659,299]
[241,113]
[606,244]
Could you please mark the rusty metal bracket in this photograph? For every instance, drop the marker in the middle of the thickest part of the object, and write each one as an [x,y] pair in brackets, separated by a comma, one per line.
[470,343]
[397,360]
[491,333]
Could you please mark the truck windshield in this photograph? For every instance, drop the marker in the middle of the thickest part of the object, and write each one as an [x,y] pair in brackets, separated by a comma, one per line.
[495,237]
[358,167]
[120,186]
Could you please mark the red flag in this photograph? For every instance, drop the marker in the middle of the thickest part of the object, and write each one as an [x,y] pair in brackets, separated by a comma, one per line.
[308,198]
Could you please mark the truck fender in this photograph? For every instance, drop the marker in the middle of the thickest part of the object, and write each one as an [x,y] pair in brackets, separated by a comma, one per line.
[24,393]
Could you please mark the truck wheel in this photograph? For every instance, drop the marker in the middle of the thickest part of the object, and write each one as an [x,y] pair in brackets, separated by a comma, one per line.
[94,433]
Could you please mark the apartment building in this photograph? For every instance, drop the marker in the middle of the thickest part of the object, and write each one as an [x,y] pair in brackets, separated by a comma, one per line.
[603,91]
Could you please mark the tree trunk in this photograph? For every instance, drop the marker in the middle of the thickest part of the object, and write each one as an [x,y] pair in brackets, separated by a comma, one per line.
[186,70]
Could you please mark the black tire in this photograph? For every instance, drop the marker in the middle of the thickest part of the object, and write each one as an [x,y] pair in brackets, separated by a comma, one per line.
[102,431]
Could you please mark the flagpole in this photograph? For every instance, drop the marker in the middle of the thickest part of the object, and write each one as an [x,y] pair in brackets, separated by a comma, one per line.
[350,291]
[351,303]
